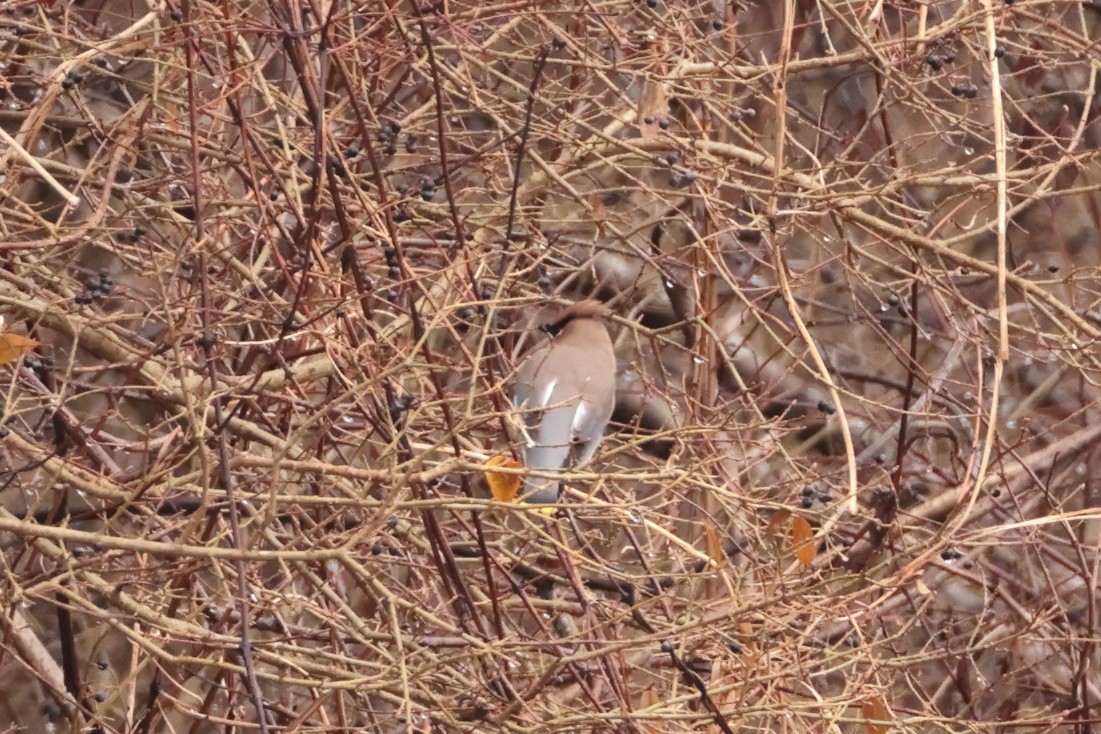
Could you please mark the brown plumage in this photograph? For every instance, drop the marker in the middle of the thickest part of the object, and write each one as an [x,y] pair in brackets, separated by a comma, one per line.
[565,390]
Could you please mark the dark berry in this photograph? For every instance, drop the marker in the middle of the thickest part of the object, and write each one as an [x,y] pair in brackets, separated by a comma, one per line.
[686,179]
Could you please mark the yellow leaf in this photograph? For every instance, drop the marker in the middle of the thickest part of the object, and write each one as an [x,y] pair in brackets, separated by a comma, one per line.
[802,540]
[504,487]
[547,510]
[714,544]
[876,716]
[14,346]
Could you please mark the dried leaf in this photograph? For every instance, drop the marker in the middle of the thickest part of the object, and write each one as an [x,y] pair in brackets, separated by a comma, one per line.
[652,106]
[649,700]
[876,716]
[714,544]
[504,487]
[777,523]
[802,540]
[14,346]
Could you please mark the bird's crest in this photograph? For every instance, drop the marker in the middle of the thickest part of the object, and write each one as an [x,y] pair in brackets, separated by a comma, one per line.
[587,309]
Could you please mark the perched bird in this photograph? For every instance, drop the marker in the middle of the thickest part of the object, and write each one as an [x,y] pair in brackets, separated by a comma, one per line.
[565,390]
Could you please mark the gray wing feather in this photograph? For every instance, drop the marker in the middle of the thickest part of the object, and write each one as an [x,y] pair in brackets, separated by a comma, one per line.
[561,420]
[550,449]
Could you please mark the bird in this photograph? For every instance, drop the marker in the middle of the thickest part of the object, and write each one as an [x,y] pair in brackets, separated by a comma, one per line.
[565,391]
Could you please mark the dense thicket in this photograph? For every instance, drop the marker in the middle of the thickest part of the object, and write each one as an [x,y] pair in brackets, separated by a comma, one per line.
[281,260]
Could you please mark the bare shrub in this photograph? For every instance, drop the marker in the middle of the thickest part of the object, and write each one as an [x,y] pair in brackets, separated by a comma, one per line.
[281,261]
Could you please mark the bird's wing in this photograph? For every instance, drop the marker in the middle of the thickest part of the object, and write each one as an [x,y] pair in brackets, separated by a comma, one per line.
[581,427]
[552,441]
[526,378]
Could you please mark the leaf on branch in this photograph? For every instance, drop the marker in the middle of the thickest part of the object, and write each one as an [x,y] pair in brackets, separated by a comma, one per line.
[876,715]
[802,540]
[14,346]
[649,700]
[652,106]
[714,544]
[777,523]
[504,487]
